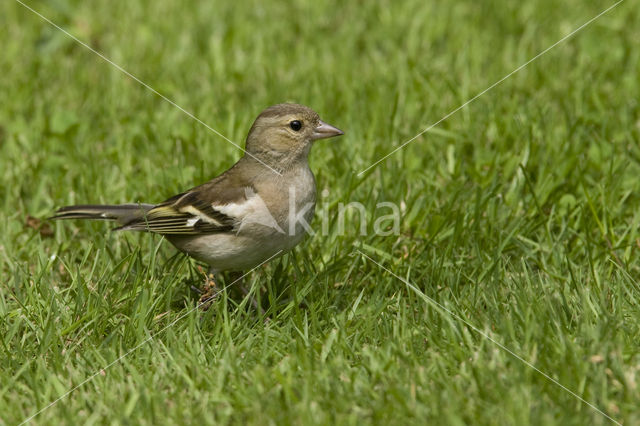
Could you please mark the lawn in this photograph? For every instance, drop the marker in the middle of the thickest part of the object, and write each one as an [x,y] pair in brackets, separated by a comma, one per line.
[518,244]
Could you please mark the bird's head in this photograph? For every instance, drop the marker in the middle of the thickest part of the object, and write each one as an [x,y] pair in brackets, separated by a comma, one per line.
[286,132]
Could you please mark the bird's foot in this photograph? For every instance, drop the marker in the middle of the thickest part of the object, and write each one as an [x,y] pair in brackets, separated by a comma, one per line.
[208,292]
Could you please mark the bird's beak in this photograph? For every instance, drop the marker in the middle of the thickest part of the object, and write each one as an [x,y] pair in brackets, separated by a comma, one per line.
[325,130]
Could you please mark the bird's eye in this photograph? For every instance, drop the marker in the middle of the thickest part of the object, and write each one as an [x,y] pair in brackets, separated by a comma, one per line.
[295,125]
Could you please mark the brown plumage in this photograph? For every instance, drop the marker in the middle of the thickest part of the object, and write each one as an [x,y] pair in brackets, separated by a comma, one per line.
[241,217]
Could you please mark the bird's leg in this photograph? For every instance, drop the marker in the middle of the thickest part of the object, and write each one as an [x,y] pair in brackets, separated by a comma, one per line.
[209,290]
[238,280]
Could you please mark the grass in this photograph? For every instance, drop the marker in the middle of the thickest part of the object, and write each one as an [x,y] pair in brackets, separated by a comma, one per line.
[521,213]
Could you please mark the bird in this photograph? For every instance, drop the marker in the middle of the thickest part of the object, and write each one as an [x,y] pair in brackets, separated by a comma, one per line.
[258,209]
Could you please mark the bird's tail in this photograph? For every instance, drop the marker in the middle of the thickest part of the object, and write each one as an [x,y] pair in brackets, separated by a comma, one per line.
[122,213]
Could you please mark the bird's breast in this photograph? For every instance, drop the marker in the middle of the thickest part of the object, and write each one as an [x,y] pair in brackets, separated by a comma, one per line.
[290,200]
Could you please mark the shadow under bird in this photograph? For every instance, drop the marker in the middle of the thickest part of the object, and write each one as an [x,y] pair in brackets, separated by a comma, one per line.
[256,210]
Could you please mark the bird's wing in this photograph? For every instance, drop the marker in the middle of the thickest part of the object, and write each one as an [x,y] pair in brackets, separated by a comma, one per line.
[201,210]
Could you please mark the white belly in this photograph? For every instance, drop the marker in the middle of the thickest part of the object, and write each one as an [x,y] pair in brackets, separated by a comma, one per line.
[267,229]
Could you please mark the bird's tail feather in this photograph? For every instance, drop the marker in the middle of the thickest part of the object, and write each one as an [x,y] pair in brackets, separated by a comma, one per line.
[122,213]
